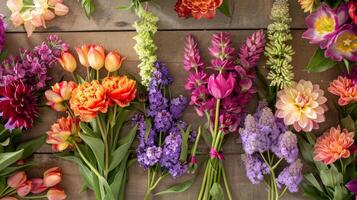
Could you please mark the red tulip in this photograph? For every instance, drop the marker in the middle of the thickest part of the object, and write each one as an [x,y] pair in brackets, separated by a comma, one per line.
[220,87]
[56,193]
[352,10]
[37,186]
[24,189]
[52,177]
[17,179]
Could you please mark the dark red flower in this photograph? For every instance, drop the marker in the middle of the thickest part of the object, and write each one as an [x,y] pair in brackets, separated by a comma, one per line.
[182,10]
[18,104]
[352,10]
[197,8]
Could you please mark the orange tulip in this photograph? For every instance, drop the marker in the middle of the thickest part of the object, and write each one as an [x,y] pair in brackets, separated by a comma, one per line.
[96,57]
[56,193]
[24,189]
[15,5]
[83,54]
[52,177]
[88,99]
[113,61]
[61,9]
[49,15]
[16,19]
[121,89]
[17,179]
[68,62]
[37,186]
[60,93]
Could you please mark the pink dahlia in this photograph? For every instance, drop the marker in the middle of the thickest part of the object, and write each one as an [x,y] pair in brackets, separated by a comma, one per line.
[345,89]
[18,104]
[302,105]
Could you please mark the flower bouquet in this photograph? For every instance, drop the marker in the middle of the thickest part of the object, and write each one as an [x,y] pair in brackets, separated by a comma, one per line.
[332,25]
[163,137]
[97,109]
[221,97]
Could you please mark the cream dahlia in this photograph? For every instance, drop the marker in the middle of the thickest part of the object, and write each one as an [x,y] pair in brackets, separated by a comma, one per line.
[345,89]
[302,105]
[307,5]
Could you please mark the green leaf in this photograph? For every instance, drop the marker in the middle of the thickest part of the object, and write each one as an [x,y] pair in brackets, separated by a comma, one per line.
[207,137]
[348,123]
[6,142]
[31,146]
[311,178]
[7,159]
[119,154]
[86,129]
[217,192]
[177,188]
[184,145]
[306,150]
[224,8]
[97,147]
[312,192]
[12,169]
[119,179]
[331,177]
[340,193]
[319,63]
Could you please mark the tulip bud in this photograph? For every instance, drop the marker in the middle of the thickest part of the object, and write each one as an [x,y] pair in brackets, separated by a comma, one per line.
[113,61]
[49,15]
[15,5]
[17,179]
[37,186]
[61,9]
[24,189]
[52,177]
[52,3]
[83,54]
[56,193]
[96,57]
[68,62]
[16,19]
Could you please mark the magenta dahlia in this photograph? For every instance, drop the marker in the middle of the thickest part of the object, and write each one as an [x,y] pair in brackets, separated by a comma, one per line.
[18,104]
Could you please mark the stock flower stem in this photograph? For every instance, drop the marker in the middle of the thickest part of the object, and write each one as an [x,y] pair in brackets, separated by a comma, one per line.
[35,197]
[226,182]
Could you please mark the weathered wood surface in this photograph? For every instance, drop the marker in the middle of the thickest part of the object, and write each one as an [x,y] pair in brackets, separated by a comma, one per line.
[113,30]
[247,14]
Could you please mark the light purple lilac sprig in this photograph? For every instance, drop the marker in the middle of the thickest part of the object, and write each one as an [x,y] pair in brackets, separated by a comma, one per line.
[268,144]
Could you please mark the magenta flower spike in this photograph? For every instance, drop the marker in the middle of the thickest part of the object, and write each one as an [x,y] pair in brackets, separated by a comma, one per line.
[219,86]
[251,51]
[192,58]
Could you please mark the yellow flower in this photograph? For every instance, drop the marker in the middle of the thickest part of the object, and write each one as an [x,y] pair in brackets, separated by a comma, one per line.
[302,105]
[307,5]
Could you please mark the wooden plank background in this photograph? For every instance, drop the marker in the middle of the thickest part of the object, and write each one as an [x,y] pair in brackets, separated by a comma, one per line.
[112,29]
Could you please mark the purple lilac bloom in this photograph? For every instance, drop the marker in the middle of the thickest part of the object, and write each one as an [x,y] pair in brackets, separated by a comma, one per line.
[255,168]
[288,148]
[160,76]
[291,176]
[149,156]
[2,32]
[163,121]
[157,102]
[177,106]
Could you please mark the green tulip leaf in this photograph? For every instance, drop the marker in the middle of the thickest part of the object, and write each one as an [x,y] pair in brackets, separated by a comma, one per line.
[177,188]
[97,147]
[311,178]
[319,63]
[217,192]
[7,159]
[331,177]
[31,146]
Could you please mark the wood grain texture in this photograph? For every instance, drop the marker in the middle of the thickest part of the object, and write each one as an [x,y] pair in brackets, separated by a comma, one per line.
[247,14]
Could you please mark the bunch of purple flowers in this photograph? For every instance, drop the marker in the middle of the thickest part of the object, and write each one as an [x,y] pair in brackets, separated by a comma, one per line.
[23,78]
[334,31]
[161,133]
[267,142]
[223,95]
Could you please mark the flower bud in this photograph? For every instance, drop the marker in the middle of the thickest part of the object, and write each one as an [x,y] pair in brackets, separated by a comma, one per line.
[52,177]
[37,186]
[49,15]
[61,9]
[56,193]
[17,179]
[16,19]
[113,61]
[96,57]
[83,54]
[24,189]
[68,62]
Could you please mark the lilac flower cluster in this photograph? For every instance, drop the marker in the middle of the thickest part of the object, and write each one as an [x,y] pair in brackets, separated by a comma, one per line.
[22,77]
[225,60]
[2,32]
[263,133]
[162,143]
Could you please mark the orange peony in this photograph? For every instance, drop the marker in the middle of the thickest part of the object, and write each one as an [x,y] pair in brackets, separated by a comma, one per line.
[345,89]
[198,8]
[121,89]
[88,99]
[333,145]
[63,133]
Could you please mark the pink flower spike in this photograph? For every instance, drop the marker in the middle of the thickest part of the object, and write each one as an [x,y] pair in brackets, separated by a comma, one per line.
[219,86]
[192,58]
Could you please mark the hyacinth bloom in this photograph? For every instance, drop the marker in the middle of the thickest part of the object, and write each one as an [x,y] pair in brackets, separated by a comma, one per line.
[302,105]
[59,94]
[68,62]
[334,144]
[17,179]
[56,193]
[307,5]
[324,24]
[113,61]
[197,8]
[52,177]
[221,86]
[345,88]
[121,90]
[88,99]
[96,57]
[344,44]
[63,133]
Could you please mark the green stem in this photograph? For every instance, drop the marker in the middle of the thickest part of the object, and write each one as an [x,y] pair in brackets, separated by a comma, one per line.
[216,119]
[98,75]
[277,164]
[157,182]
[283,192]
[200,195]
[226,183]
[104,134]
[35,197]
